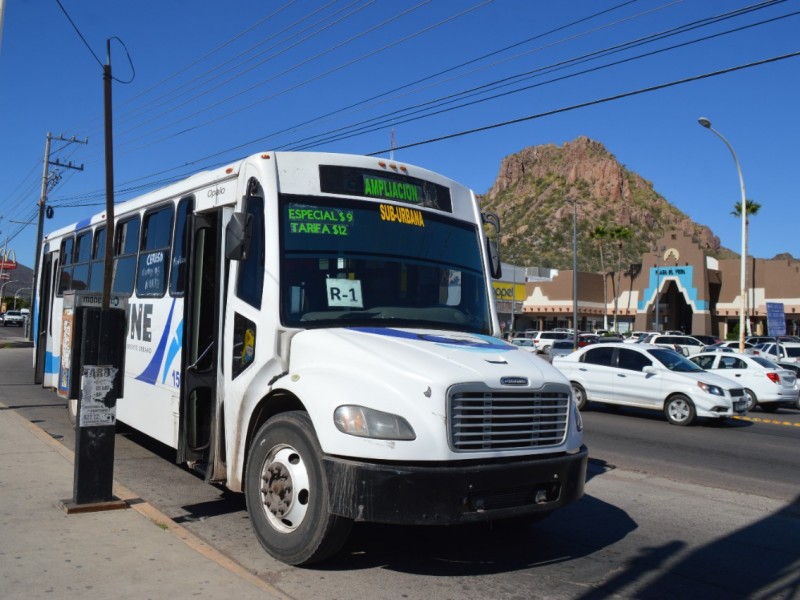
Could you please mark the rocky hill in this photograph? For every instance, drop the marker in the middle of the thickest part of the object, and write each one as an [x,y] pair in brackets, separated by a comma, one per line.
[533,196]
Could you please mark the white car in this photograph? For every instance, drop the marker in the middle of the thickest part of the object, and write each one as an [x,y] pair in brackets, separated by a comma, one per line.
[648,376]
[545,339]
[766,384]
[524,343]
[785,352]
[686,344]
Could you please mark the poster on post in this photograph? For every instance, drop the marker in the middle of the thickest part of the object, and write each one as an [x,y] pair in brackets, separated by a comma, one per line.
[98,402]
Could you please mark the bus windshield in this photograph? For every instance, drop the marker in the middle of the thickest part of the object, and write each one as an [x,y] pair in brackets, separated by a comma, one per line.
[358,263]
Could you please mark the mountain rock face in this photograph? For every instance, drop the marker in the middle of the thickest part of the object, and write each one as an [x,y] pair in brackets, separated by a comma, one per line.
[533,196]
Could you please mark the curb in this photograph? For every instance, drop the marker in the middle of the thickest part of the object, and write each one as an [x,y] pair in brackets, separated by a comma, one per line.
[158,518]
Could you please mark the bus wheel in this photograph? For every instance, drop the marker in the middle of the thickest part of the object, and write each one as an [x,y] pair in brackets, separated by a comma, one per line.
[287,493]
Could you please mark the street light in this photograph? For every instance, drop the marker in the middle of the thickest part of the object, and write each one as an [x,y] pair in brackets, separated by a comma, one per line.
[742,283]
[3,289]
[16,295]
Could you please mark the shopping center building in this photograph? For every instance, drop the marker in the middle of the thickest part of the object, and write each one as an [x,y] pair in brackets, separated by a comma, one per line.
[677,286]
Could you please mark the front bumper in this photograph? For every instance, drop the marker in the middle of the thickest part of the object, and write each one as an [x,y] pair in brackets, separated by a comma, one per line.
[451,493]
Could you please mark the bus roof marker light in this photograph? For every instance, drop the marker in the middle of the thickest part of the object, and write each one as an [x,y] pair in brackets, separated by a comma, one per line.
[266,156]
[404,168]
[229,170]
[381,163]
[393,166]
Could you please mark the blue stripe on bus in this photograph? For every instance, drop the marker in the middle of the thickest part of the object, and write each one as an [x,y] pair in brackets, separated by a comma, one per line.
[150,373]
[81,224]
[51,363]
[174,348]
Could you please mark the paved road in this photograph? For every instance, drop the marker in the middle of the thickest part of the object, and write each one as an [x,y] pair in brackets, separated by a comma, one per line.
[669,512]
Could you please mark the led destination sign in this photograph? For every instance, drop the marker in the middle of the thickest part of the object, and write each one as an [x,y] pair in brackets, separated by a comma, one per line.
[369,183]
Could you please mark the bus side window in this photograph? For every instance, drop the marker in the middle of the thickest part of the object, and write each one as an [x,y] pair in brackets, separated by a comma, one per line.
[97,266]
[65,271]
[250,281]
[125,247]
[83,252]
[151,276]
[180,247]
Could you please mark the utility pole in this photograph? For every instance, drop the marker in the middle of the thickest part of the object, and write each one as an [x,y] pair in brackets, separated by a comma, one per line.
[46,183]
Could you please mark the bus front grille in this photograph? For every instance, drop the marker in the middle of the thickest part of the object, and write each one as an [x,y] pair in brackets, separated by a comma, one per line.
[501,420]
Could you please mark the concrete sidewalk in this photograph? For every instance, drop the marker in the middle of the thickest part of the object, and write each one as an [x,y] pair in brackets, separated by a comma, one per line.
[132,553]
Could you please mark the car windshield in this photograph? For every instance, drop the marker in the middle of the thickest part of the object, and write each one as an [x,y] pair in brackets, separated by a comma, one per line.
[674,361]
[357,263]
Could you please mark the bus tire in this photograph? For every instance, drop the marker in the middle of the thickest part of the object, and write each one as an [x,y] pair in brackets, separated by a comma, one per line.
[286,491]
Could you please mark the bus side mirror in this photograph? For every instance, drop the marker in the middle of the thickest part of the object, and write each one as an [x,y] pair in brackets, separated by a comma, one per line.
[238,234]
[492,248]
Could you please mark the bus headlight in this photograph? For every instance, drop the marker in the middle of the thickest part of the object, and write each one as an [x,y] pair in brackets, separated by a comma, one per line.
[366,422]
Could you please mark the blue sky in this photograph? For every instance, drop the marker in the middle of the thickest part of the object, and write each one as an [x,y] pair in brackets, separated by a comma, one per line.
[217,81]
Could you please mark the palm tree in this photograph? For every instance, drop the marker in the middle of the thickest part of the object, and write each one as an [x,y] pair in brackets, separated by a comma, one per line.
[752,209]
[619,234]
[599,234]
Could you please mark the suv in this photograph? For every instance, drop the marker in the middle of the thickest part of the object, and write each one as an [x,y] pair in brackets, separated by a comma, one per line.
[685,344]
[13,317]
[544,339]
[786,352]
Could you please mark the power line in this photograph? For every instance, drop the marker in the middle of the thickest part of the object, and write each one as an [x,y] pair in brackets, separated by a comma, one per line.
[590,103]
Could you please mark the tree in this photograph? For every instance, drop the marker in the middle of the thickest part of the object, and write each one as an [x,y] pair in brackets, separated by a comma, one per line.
[600,234]
[619,234]
[752,209]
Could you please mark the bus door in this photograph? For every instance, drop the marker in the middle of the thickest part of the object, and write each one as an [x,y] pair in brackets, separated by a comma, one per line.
[44,304]
[200,425]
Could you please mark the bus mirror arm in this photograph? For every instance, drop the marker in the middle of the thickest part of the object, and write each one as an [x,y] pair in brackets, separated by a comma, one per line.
[238,234]
[492,244]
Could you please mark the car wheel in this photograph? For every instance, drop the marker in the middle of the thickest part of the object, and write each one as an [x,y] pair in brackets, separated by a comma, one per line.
[580,396]
[679,410]
[287,493]
[752,400]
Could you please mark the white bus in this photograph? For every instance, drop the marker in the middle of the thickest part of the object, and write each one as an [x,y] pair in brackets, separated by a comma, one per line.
[318,332]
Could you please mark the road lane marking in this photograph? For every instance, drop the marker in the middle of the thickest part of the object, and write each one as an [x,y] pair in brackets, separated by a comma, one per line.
[769,421]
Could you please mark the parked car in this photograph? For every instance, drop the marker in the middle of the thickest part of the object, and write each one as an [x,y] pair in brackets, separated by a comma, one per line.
[648,376]
[524,343]
[561,348]
[719,348]
[794,368]
[13,317]
[545,339]
[637,337]
[759,339]
[766,384]
[608,339]
[584,339]
[730,345]
[708,340]
[685,344]
[788,352]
